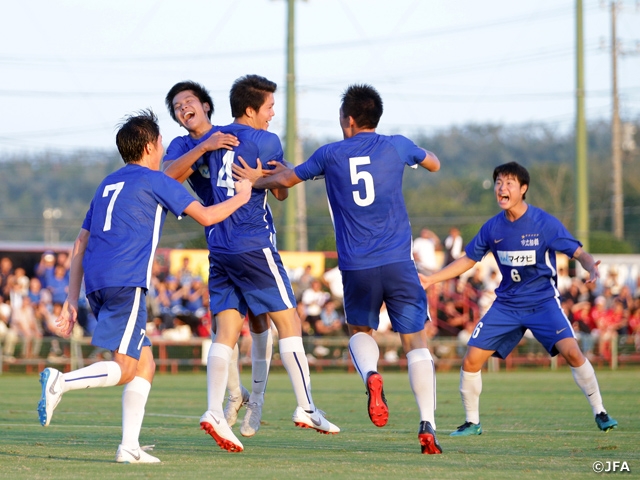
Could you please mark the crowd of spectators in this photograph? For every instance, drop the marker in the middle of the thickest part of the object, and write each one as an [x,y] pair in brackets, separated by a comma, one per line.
[178,306]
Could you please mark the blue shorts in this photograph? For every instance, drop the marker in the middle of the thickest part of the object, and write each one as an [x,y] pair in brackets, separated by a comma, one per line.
[397,285]
[253,280]
[502,328]
[122,319]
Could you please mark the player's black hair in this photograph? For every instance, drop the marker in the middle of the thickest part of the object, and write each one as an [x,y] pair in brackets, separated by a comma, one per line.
[515,170]
[135,132]
[249,91]
[198,90]
[362,103]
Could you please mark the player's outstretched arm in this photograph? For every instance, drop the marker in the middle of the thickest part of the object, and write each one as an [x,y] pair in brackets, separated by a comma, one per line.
[430,162]
[180,168]
[216,213]
[588,263]
[67,318]
[453,270]
[284,178]
[245,171]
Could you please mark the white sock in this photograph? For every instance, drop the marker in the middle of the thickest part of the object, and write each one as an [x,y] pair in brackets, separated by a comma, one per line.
[134,399]
[233,381]
[99,374]
[295,362]
[261,350]
[217,376]
[422,379]
[470,390]
[585,378]
[364,353]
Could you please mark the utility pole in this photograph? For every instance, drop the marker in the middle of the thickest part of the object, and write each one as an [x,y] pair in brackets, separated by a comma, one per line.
[582,178]
[291,135]
[617,200]
[295,229]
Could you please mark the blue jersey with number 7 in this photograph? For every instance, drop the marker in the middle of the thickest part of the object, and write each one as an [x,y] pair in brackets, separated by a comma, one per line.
[125,222]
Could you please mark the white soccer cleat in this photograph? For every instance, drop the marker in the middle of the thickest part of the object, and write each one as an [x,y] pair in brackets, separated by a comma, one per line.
[218,428]
[137,455]
[233,406]
[314,420]
[251,422]
[52,382]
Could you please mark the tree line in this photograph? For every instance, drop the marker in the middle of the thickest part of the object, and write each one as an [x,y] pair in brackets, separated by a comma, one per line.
[460,194]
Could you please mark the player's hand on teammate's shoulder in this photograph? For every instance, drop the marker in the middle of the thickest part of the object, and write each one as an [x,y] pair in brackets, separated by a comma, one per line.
[243,189]
[276,167]
[220,140]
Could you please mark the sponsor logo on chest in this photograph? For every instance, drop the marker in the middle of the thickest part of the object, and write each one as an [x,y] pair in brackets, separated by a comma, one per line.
[517,258]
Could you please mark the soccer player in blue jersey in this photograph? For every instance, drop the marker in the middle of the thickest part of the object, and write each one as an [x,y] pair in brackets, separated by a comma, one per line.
[191,106]
[246,270]
[114,252]
[363,177]
[524,241]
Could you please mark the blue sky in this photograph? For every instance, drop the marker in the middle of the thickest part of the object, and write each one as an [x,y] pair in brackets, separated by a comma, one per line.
[71,69]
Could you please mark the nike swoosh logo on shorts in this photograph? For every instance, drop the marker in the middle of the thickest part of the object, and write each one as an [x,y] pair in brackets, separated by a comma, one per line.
[558,332]
[498,240]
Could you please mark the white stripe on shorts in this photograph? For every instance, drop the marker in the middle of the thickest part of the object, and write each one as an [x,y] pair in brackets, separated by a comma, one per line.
[278,278]
[128,331]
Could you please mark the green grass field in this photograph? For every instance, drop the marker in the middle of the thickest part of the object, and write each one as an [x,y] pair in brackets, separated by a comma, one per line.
[537,424]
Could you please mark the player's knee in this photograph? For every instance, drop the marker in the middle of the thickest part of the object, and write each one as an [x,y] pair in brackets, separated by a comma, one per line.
[259,323]
[127,375]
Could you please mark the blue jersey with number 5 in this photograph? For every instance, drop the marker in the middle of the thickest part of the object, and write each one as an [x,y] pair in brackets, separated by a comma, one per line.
[363,178]
[525,251]
[125,222]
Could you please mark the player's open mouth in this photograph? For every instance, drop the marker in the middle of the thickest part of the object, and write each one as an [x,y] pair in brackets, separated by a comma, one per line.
[188,115]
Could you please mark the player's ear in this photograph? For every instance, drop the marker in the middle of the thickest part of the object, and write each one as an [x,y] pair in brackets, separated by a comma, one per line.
[206,107]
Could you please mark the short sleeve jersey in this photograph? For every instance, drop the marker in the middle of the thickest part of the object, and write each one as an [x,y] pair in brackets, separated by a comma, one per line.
[125,221]
[200,178]
[525,251]
[363,178]
[250,227]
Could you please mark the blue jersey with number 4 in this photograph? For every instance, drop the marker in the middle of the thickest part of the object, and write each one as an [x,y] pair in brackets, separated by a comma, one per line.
[250,227]
[363,178]
[525,251]
[125,222]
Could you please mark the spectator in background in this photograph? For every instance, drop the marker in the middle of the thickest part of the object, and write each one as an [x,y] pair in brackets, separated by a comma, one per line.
[57,283]
[185,274]
[313,299]
[45,266]
[564,280]
[452,246]
[6,272]
[26,325]
[610,325]
[8,335]
[304,282]
[332,279]
[424,252]
[634,324]
[330,322]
